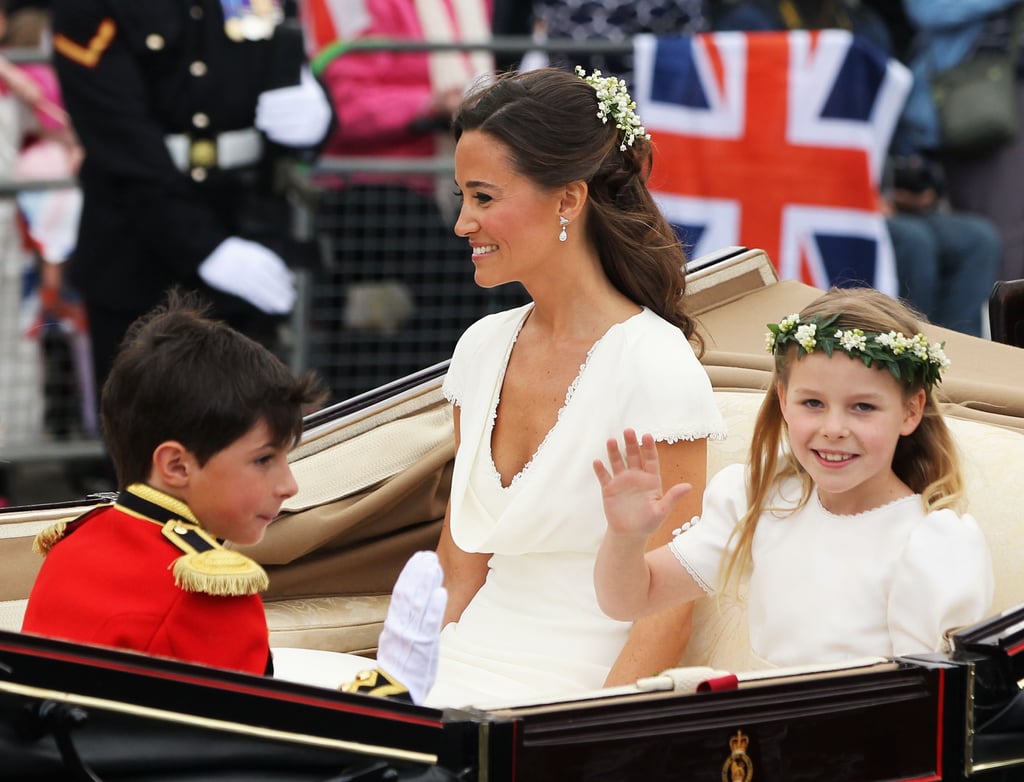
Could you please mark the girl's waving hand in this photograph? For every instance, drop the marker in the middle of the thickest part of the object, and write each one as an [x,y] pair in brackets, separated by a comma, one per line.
[634,504]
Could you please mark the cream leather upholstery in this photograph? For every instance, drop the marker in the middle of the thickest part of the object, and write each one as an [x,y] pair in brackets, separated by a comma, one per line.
[992,458]
[373,486]
[347,623]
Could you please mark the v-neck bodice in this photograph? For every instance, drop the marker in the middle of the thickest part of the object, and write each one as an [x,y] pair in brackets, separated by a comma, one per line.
[569,393]
[641,373]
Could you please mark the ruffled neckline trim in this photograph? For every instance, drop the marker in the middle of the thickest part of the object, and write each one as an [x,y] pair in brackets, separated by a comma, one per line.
[869,512]
[570,392]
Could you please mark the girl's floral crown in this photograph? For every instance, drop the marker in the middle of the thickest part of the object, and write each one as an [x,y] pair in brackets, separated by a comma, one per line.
[613,101]
[908,359]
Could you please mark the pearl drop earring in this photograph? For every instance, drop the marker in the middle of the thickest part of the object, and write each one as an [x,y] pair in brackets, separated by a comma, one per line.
[563,222]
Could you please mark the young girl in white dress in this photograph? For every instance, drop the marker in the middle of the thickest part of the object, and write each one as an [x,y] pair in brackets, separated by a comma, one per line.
[848,519]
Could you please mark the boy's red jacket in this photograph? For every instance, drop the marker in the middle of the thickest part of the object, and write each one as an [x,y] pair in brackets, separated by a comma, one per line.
[142,575]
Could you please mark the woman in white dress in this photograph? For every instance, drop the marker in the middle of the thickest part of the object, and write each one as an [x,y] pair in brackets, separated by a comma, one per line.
[551,168]
[848,519]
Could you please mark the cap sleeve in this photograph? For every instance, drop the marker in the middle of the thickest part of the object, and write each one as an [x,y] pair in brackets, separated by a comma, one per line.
[454,385]
[481,350]
[668,393]
[944,581]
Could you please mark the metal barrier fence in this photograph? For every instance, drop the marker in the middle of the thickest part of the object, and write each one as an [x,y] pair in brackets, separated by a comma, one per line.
[395,289]
[392,293]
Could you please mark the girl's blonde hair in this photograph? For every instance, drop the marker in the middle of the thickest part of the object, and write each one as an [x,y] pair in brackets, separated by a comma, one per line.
[926,460]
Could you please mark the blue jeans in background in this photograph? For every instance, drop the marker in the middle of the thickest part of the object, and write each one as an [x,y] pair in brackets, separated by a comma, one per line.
[946,263]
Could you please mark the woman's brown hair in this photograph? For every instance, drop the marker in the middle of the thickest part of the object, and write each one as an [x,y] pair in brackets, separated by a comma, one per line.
[547,120]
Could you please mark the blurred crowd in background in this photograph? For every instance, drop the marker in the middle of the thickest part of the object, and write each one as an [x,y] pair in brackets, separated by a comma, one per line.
[177,128]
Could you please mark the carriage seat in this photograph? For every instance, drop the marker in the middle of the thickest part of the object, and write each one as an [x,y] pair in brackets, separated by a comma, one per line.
[991,458]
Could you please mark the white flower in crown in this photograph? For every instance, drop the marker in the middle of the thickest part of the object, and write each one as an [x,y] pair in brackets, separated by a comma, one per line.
[853,339]
[937,355]
[894,340]
[919,346]
[805,335]
[908,359]
[788,322]
[613,101]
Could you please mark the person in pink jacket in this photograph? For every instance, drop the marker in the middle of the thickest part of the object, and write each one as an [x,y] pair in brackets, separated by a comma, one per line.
[395,103]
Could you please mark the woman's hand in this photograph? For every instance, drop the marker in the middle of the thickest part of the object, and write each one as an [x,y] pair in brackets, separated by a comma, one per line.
[634,504]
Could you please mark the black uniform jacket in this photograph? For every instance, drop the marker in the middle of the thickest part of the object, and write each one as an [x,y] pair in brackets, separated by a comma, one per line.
[133,72]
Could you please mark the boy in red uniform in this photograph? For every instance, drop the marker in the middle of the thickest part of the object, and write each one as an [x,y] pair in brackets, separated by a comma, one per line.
[199,421]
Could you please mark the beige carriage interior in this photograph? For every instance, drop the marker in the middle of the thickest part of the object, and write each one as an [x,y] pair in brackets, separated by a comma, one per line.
[373,484]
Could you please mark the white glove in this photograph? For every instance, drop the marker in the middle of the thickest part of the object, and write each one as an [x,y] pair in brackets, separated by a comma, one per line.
[408,645]
[296,116]
[252,272]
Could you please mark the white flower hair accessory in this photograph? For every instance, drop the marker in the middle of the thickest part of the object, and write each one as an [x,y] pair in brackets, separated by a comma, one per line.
[613,101]
[908,359]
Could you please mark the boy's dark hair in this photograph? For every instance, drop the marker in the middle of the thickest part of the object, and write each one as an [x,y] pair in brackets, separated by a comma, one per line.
[179,375]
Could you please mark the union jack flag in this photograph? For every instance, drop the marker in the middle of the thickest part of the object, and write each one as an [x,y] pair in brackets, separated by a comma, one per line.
[777,141]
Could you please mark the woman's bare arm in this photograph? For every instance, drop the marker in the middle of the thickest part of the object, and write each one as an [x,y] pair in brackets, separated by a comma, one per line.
[464,573]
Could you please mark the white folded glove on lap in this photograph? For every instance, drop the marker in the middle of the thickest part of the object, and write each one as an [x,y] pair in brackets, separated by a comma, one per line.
[409,643]
[252,272]
[296,116]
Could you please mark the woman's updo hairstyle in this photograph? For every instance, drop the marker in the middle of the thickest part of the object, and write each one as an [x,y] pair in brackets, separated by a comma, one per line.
[547,120]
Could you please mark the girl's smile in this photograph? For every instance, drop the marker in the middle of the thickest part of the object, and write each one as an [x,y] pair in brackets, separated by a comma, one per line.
[844,421]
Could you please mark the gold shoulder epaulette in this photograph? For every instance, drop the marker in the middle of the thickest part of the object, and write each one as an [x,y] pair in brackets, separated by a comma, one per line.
[49,537]
[208,567]
[379,683]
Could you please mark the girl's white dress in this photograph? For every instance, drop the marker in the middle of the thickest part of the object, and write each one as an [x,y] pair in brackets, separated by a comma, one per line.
[534,630]
[827,588]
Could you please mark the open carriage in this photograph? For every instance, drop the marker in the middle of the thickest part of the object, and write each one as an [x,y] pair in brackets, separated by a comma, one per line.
[373,475]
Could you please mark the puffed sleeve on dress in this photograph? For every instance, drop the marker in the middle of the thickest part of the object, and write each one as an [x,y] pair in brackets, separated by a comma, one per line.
[944,581]
[702,546]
